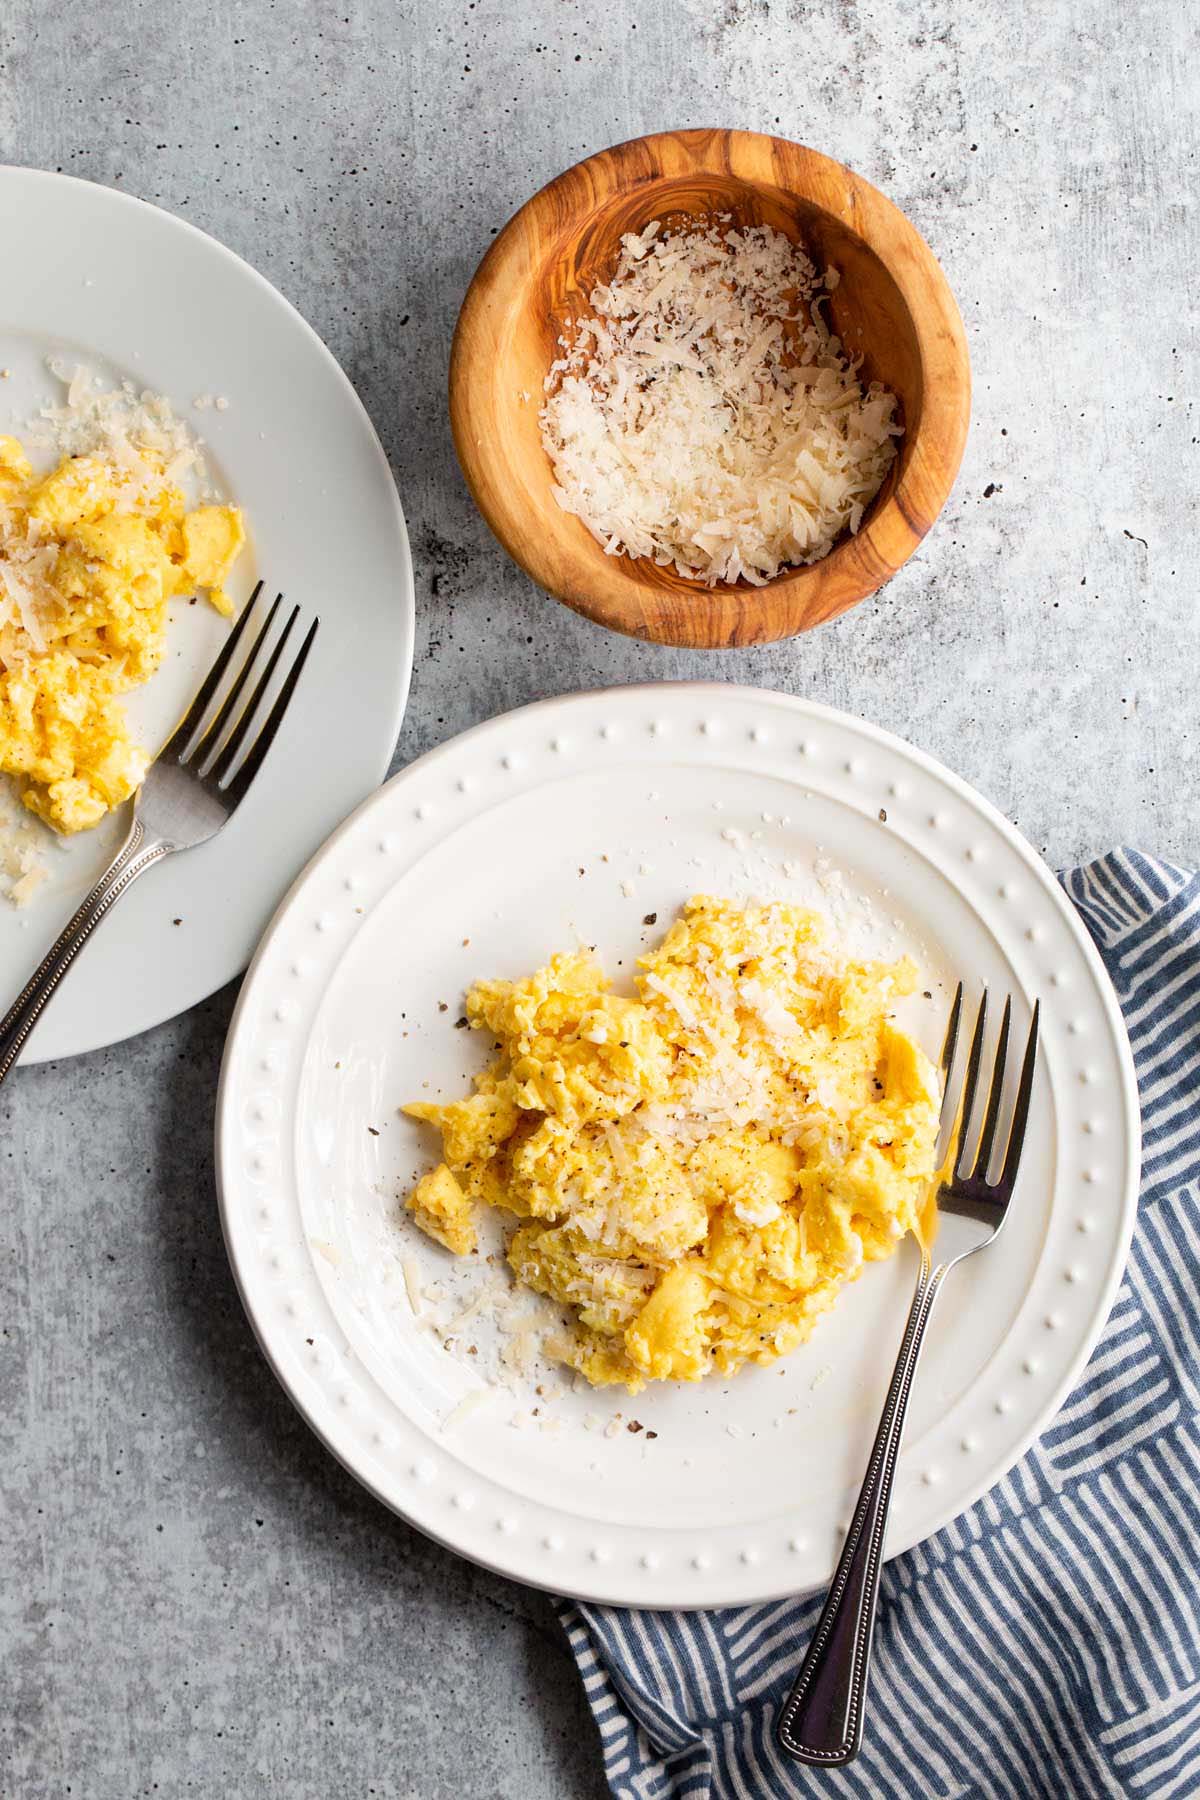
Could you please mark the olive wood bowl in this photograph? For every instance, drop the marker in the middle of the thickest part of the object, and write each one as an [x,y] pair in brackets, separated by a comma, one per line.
[893,307]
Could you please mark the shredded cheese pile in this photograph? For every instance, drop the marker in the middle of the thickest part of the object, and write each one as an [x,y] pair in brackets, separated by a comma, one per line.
[705,416]
[120,424]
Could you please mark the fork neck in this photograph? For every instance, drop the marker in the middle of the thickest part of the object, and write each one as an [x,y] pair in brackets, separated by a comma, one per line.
[136,854]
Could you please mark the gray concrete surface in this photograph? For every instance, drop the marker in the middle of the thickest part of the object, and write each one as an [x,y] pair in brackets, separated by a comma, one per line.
[196,1600]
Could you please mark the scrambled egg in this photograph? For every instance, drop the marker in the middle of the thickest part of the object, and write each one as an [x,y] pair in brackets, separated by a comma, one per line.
[696,1172]
[90,557]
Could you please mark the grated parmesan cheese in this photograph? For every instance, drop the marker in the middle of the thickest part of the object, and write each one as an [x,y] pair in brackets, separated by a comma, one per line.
[704,415]
[116,424]
[687,1014]
[412,1286]
[23,841]
[471,1401]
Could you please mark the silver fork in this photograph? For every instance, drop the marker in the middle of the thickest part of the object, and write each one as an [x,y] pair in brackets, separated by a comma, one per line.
[189,792]
[822,1721]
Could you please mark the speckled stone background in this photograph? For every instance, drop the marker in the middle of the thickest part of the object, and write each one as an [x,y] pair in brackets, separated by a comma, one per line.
[195,1599]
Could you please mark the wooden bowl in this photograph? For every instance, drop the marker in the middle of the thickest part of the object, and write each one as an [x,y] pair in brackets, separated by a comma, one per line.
[893,305]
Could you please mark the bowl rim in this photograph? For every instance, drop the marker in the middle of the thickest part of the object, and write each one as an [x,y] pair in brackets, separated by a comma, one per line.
[616,593]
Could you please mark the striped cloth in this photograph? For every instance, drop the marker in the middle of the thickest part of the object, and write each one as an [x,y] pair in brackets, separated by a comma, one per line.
[1048,1642]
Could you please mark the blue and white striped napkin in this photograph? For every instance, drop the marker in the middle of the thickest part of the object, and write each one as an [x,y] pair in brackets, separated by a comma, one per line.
[1048,1642]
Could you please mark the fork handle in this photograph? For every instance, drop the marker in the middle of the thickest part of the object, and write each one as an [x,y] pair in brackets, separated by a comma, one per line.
[822,1721]
[135,855]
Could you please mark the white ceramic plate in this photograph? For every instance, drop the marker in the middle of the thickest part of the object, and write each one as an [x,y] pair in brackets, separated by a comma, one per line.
[654,793]
[110,282]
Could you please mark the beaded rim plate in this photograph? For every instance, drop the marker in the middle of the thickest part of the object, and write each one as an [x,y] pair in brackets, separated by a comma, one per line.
[586,815]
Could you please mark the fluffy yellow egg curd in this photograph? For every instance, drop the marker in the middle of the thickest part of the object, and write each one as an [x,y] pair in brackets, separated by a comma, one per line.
[90,558]
[699,1171]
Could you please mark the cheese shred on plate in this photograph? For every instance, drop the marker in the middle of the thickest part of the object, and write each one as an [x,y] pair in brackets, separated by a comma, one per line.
[704,415]
[693,1174]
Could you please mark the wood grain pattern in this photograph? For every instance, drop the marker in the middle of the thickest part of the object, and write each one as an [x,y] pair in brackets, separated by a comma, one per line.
[893,306]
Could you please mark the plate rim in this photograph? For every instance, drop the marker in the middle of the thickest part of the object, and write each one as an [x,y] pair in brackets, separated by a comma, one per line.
[87,1042]
[596,1591]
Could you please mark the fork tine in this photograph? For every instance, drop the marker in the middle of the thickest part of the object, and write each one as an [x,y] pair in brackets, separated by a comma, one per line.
[224,712]
[221,766]
[236,789]
[969,1085]
[946,1065]
[1016,1135]
[194,715]
[950,1042]
[983,1155]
